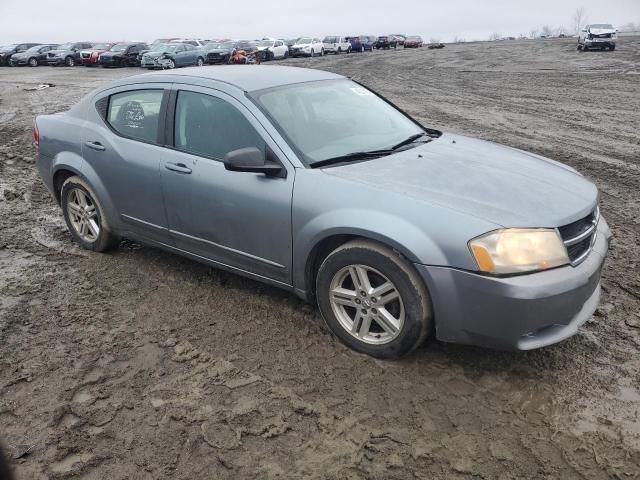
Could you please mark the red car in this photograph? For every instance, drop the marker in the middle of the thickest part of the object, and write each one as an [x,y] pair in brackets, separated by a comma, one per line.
[413,42]
[89,57]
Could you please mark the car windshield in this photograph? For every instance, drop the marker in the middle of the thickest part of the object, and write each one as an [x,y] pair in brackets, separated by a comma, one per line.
[120,47]
[266,43]
[100,46]
[34,49]
[304,40]
[65,46]
[328,119]
[602,25]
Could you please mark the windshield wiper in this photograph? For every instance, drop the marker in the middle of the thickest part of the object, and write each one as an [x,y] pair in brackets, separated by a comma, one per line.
[351,157]
[409,140]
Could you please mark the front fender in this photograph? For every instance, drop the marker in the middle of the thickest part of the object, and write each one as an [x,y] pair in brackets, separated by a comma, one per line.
[383,227]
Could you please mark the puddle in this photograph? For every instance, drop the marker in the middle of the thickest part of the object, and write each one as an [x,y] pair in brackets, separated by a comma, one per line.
[82,397]
[66,465]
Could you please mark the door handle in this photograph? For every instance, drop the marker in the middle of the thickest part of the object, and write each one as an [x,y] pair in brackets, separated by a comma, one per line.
[177,167]
[95,146]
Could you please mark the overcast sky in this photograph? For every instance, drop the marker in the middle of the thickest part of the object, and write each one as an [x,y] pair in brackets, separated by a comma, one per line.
[95,20]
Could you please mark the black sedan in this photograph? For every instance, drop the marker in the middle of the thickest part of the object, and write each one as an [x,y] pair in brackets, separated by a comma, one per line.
[33,57]
[218,53]
[123,55]
[7,51]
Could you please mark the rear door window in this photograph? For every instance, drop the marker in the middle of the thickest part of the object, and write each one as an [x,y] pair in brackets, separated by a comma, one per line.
[136,114]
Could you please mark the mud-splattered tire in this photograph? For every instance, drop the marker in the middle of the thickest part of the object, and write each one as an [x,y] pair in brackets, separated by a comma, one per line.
[373,300]
[96,236]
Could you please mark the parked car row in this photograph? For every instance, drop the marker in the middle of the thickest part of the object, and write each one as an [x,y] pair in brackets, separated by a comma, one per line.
[168,53]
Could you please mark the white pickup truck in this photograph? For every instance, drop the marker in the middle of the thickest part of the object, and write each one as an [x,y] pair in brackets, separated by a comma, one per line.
[598,36]
[336,44]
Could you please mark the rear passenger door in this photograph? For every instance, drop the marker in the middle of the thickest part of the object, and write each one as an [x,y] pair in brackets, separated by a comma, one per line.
[121,151]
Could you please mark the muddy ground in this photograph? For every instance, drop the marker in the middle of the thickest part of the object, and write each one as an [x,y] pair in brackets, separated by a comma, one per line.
[141,364]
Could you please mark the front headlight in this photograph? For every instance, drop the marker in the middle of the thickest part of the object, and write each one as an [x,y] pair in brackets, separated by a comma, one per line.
[517,250]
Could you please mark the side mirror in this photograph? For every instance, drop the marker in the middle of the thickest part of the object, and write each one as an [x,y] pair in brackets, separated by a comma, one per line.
[251,159]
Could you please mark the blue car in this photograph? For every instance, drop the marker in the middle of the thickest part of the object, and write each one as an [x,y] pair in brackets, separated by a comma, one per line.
[361,43]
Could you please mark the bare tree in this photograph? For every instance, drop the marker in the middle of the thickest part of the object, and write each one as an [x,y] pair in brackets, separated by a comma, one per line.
[579,19]
[546,31]
[494,36]
[457,39]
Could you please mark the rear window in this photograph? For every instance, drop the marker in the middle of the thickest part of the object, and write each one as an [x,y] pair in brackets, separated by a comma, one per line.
[136,114]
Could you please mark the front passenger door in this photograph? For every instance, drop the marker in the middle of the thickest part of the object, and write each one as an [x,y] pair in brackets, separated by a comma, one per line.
[236,219]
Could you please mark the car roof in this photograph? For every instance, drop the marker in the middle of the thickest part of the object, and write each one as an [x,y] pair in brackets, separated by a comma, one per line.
[250,77]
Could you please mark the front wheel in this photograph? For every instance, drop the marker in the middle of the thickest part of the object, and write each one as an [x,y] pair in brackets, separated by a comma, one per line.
[313,54]
[84,216]
[612,48]
[33,62]
[171,64]
[200,62]
[69,61]
[373,300]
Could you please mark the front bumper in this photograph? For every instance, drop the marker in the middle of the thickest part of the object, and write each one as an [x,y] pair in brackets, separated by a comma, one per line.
[599,42]
[516,313]
[17,61]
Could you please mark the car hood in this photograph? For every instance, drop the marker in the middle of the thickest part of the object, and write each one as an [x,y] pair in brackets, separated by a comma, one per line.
[155,54]
[301,45]
[220,50]
[499,184]
[19,55]
[600,31]
[111,54]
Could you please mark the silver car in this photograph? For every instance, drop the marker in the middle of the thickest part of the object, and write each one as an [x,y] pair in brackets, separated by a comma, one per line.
[309,181]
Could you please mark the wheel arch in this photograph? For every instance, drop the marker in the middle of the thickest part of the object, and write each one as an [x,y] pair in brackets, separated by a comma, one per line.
[321,247]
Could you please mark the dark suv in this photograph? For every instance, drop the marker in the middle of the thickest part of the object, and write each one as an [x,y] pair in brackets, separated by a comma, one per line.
[218,53]
[386,42]
[67,54]
[8,50]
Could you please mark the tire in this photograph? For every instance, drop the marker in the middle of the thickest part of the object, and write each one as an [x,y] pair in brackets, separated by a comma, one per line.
[171,64]
[200,62]
[72,190]
[612,48]
[33,62]
[362,49]
[312,53]
[410,311]
[322,52]
[70,61]
[286,55]
[338,52]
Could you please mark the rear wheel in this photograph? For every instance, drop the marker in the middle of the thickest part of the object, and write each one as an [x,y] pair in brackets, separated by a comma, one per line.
[373,300]
[85,217]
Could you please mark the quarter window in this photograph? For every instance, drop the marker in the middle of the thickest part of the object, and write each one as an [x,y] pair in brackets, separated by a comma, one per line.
[136,114]
[212,127]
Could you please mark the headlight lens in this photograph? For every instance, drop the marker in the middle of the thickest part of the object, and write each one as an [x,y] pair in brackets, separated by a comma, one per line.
[518,250]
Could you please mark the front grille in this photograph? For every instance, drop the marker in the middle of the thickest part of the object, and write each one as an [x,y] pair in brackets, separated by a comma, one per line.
[86,55]
[579,236]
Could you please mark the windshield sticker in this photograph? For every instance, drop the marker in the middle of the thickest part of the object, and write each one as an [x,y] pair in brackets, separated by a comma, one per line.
[361,91]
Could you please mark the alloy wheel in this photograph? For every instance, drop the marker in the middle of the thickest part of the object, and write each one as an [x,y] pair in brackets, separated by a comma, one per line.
[367,304]
[83,215]
[33,62]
